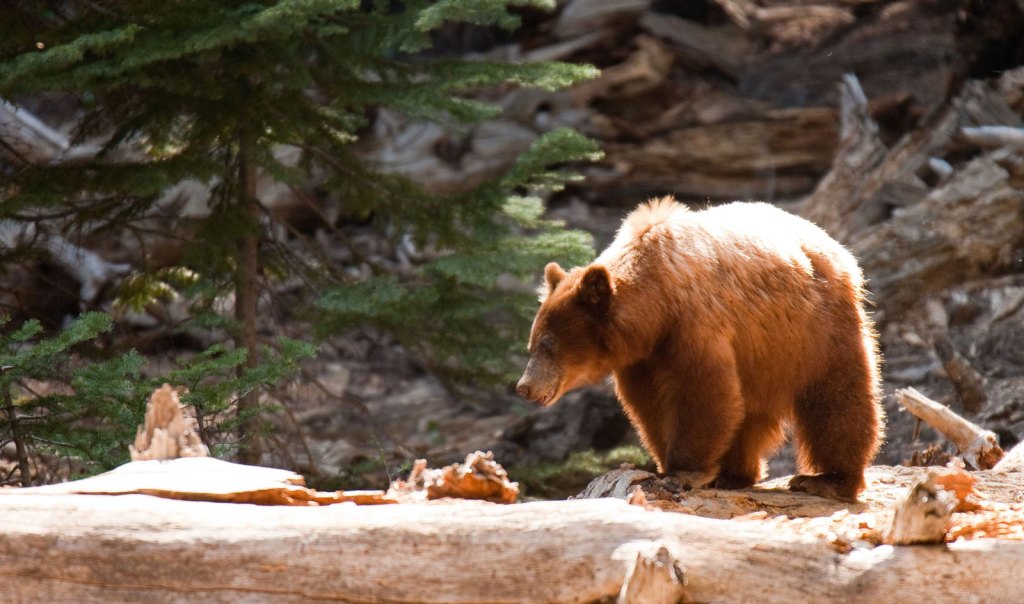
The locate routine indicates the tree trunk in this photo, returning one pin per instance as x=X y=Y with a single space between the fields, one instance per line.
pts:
x=20 y=449
x=247 y=299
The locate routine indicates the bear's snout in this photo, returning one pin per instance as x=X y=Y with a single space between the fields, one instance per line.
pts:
x=539 y=383
x=523 y=390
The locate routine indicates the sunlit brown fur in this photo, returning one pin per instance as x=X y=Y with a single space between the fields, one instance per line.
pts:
x=720 y=328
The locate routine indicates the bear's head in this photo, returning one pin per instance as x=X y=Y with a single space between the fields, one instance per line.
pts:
x=568 y=343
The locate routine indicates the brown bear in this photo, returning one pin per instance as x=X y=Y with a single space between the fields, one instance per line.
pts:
x=720 y=328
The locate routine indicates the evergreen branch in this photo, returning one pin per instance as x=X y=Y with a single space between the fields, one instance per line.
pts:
x=63 y=57
x=476 y=12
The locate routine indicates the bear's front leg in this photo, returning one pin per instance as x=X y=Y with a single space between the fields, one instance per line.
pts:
x=703 y=416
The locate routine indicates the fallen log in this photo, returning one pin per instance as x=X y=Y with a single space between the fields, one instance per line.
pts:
x=887 y=488
x=27 y=139
x=853 y=196
x=958 y=232
x=91 y=548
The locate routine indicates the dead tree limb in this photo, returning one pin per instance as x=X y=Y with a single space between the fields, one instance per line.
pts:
x=978 y=447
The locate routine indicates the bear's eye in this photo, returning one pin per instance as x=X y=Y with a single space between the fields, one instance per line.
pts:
x=546 y=345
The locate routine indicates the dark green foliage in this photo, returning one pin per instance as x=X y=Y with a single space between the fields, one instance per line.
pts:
x=191 y=89
x=450 y=310
x=207 y=91
x=107 y=396
x=215 y=384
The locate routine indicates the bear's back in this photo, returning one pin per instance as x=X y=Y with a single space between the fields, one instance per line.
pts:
x=737 y=246
x=765 y=279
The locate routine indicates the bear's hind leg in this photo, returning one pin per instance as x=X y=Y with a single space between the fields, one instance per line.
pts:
x=743 y=464
x=837 y=425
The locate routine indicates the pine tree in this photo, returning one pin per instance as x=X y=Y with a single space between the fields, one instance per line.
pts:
x=46 y=420
x=208 y=90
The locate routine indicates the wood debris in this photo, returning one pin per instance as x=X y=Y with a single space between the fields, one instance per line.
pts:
x=478 y=477
x=167 y=433
x=946 y=506
x=170 y=461
x=1002 y=522
x=923 y=516
x=655 y=578
x=901 y=505
x=933 y=455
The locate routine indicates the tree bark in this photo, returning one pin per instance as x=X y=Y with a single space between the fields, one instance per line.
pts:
x=20 y=447
x=247 y=299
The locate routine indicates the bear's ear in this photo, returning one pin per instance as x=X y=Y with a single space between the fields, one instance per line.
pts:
x=596 y=287
x=553 y=275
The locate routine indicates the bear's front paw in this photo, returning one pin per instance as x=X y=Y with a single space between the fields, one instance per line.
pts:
x=732 y=481
x=831 y=486
x=686 y=481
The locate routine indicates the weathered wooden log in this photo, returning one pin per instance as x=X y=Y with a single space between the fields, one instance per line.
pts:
x=583 y=16
x=699 y=46
x=967 y=381
x=645 y=69
x=835 y=199
x=26 y=139
x=91 y=548
x=1013 y=461
x=724 y=158
x=887 y=487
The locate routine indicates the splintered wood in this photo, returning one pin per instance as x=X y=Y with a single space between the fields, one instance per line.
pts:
x=923 y=516
x=901 y=505
x=943 y=507
x=169 y=460
x=167 y=433
x=478 y=477
x=655 y=578
x=1003 y=522
x=946 y=507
